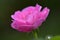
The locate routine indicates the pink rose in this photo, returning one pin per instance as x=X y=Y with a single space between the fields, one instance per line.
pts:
x=30 y=18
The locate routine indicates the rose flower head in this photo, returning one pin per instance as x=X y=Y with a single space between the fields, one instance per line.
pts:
x=30 y=18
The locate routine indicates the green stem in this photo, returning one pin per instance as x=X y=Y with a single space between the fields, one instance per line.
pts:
x=35 y=35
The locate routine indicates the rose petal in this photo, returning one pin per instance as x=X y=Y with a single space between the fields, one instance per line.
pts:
x=44 y=13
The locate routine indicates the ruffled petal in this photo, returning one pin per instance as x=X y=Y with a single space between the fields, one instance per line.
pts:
x=38 y=7
x=44 y=13
x=21 y=26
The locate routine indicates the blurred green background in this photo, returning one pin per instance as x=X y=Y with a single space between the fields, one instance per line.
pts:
x=51 y=27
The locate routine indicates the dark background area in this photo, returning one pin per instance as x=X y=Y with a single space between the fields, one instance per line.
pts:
x=50 y=27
